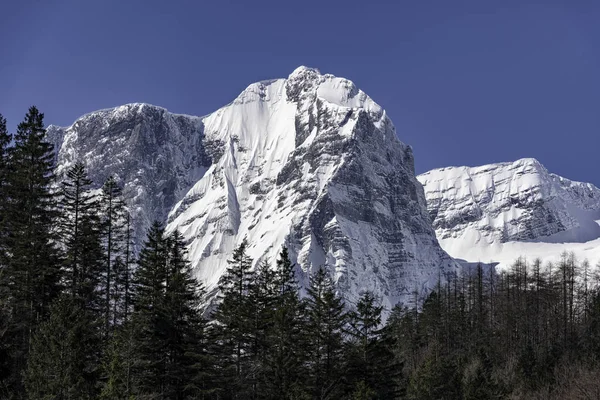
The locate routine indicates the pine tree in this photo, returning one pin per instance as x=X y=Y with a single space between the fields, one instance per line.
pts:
x=114 y=222
x=31 y=262
x=5 y=139
x=150 y=316
x=187 y=356
x=170 y=356
x=60 y=364
x=371 y=361
x=284 y=353
x=233 y=321
x=117 y=363
x=80 y=236
x=262 y=293
x=326 y=321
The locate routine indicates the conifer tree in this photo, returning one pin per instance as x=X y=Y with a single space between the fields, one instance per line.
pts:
x=187 y=356
x=61 y=365
x=326 y=321
x=149 y=318
x=31 y=262
x=168 y=328
x=5 y=139
x=233 y=326
x=113 y=214
x=284 y=355
x=81 y=238
x=371 y=360
x=117 y=364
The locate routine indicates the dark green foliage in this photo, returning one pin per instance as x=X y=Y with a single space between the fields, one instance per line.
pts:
x=80 y=235
x=61 y=365
x=325 y=324
x=436 y=378
x=167 y=327
x=5 y=139
x=30 y=265
x=117 y=364
x=283 y=358
x=371 y=363
x=234 y=324
x=114 y=218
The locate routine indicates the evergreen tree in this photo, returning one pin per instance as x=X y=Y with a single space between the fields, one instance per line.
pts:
x=80 y=236
x=5 y=139
x=437 y=378
x=113 y=237
x=325 y=324
x=30 y=260
x=60 y=364
x=170 y=356
x=371 y=363
x=188 y=365
x=233 y=321
x=284 y=355
x=149 y=317
x=117 y=364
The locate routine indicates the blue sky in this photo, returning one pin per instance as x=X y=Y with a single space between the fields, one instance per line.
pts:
x=466 y=83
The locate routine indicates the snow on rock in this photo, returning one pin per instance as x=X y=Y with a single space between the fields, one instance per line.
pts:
x=157 y=156
x=498 y=212
x=309 y=162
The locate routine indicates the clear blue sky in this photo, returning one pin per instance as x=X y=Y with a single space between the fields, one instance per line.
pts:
x=466 y=83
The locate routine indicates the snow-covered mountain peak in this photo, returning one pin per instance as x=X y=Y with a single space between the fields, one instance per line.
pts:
x=310 y=162
x=490 y=206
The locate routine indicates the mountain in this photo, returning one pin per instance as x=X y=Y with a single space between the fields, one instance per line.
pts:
x=310 y=162
x=155 y=155
x=503 y=210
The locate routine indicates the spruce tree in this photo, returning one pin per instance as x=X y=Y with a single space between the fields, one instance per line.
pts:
x=117 y=364
x=261 y=304
x=113 y=213
x=284 y=361
x=371 y=361
x=81 y=238
x=31 y=266
x=149 y=317
x=326 y=321
x=61 y=365
x=5 y=139
x=187 y=369
x=233 y=321
x=168 y=330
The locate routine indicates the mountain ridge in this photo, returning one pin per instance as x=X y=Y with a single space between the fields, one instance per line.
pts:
x=310 y=162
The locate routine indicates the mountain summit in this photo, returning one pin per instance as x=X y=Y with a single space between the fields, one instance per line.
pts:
x=498 y=212
x=310 y=162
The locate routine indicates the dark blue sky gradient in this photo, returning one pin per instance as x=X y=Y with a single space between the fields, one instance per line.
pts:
x=466 y=83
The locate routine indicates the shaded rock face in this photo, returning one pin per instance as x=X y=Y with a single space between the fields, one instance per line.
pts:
x=157 y=156
x=309 y=162
x=518 y=201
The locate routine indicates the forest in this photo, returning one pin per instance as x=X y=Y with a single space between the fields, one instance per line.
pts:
x=85 y=315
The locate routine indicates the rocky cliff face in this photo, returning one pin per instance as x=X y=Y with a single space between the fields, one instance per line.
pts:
x=156 y=155
x=516 y=201
x=309 y=162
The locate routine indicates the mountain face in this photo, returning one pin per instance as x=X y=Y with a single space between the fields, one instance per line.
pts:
x=155 y=155
x=519 y=201
x=309 y=162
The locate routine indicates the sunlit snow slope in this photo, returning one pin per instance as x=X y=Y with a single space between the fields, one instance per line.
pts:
x=498 y=212
x=309 y=162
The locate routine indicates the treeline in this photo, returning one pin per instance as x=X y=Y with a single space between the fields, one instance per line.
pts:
x=84 y=316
